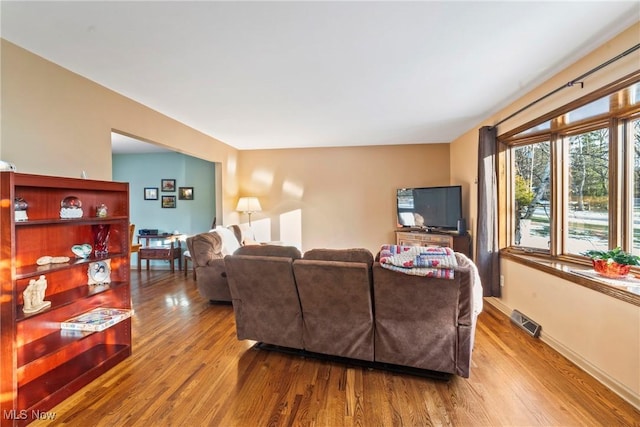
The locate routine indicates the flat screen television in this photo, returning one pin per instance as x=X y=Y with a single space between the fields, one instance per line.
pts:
x=430 y=207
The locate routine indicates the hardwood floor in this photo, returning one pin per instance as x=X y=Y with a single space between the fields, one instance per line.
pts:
x=189 y=369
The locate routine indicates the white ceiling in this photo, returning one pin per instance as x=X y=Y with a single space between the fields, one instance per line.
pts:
x=311 y=74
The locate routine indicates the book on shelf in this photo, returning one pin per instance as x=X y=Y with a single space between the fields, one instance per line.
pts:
x=97 y=319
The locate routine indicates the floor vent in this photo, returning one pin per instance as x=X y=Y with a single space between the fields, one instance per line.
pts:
x=531 y=327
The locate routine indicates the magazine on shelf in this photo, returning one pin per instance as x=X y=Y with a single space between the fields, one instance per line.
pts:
x=97 y=319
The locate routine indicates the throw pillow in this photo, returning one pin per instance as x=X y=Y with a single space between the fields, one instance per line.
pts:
x=229 y=241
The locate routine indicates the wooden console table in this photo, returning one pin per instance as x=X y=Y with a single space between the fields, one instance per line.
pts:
x=169 y=252
x=458 y=242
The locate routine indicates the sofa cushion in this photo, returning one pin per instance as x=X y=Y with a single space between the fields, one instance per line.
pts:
x=337 y=308
x=205 y=247
x=344 y=255
x=269 y=250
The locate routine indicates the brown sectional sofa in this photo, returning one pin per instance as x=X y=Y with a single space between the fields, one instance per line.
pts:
x=342 y=303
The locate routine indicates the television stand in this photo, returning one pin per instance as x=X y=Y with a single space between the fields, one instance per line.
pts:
x=421 y=237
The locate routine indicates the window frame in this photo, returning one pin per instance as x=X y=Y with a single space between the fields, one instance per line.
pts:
x=618 y=121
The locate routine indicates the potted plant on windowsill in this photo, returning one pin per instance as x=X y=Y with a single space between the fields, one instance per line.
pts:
x=615 y=263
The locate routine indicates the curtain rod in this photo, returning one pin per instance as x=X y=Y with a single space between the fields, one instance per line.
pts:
x=573 y=82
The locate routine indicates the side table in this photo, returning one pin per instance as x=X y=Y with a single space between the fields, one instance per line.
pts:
x=169 y=252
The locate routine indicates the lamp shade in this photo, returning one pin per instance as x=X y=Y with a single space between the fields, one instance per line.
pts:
x=248 y=204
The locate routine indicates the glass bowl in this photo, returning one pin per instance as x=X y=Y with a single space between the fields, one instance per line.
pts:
x=612 y=270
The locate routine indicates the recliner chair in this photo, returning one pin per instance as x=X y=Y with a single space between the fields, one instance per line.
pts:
x=205 y=250
x=337 y=302
x=264 y=295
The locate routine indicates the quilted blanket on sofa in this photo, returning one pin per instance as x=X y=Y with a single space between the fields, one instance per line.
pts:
x=428 y=261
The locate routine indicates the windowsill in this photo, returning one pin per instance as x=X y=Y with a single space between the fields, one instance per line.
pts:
x=564 y=269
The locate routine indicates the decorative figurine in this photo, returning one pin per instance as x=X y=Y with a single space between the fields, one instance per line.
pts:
x=6 y=166
x=101 y=211
x=82 y=251
x=20 y=209
x=34 y=294
x=44 y=260
x=71 y=207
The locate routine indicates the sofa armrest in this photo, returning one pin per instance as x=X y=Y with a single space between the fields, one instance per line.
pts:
x=465 y=296
x=211 y=281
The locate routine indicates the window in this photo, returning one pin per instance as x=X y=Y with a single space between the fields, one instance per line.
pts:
x=635 y=205
x=574 y=180
x=593 y=109
x=635 y=93
x=587 y=206
x=541 y=127
x=532 y=213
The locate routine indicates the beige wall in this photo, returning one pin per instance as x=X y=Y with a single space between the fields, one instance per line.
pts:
x=346 y=196
x=599 y=333
x=55 y=122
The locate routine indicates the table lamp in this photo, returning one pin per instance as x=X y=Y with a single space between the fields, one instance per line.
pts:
x=249 y=205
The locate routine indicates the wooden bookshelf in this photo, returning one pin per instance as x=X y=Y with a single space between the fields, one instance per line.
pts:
x=42 y=364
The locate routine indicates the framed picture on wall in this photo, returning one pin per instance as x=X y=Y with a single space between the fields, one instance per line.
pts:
x=151 y=193
x=168 y=201
x=168 y=185
x=185 y=193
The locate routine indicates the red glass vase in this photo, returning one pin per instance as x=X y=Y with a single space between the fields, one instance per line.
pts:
x=100 y=239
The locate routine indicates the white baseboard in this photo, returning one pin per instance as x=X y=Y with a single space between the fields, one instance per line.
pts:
x=609 y=382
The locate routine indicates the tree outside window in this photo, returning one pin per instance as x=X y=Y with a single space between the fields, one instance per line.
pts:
x=532 y=213
x=588 y=201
